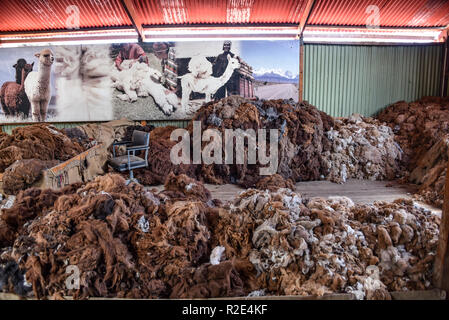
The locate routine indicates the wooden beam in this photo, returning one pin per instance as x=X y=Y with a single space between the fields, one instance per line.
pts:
x=441 y=266
x=445 y=70
x=305 y=17
x=301 y=70
x=444 y=36
x=134 y=17
x=302 y=25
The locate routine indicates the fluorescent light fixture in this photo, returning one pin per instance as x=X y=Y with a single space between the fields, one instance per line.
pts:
x=63 y=43
x=69 y=38
x=363 y=40
x=219 y=33
x=310 y=35
x=340 y=35
x=172 y=34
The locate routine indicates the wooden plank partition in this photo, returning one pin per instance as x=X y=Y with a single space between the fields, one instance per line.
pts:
x=441 y=267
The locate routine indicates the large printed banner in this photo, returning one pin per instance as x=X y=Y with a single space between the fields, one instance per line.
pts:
x=149 y=81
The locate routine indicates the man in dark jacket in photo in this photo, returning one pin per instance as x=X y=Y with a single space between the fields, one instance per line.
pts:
x=219 y=66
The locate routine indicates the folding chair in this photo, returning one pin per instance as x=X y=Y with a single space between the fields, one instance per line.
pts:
x=129 y=161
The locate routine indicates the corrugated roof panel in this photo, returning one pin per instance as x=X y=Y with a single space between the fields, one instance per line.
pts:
x=31 y=15
x=159 y=12
x=392 y=13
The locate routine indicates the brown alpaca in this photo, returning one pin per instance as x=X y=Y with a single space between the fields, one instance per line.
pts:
x=12 y=94
x=19 y=67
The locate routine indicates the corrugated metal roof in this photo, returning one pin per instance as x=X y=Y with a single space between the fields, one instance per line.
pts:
x=31 y=15
x=392 y=13
x=159 y=12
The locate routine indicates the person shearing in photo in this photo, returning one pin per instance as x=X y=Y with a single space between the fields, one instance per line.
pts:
x=130 y=51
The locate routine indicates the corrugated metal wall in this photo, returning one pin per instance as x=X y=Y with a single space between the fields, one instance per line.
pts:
x=343 y=79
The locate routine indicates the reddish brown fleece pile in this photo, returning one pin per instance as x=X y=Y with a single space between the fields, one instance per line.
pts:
x=159 y=163
x=23 y=173
x=126 y=241
x=421 y=129
x=301 y=129
x=130 y=242
x=418 y=125
x=43 y=142
x=29 y=204
x=302 y=141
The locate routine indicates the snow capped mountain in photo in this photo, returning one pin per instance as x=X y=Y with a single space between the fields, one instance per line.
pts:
x=275 y=75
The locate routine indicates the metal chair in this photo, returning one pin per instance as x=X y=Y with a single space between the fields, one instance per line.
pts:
x=129 y=161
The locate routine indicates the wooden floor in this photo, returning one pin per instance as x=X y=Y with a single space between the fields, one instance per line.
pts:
x=360 y=191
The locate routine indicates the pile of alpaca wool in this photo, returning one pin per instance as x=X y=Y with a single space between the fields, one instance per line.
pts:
x=430 y=173
x=159 y=162
x=362 y=148
x=302 y=140
x=40 y=141
x=128 y=241
x=22 y=174
x=99 y=133
x=421 y=128
x=130 y=129
x=29 y=150
x=317 y=246
x=417 y=125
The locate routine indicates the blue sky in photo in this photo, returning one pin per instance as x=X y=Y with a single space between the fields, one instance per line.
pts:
x=276 y=54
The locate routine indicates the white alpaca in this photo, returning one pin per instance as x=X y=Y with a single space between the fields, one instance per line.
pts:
x=37 y=85
x=96 y=74
x=69 y=85
x=200 y=67
x=139 y=80
x=207 y=85
x=83 y=83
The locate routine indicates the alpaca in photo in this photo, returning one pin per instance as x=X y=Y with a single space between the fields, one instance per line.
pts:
x=13 y=98
x=96 y=75
x=207 y=85
x=19 y=67
x=139 y=80
x=69 y=83
x=37 y=85
x=200 y=67
x=126 y=80
x=83 y=84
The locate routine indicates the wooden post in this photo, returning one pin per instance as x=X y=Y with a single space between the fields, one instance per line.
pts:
x=302 y=25
x=444 y=35
x=305 y=16
x=441 y=266
x=301 y=70
x=134 y=17
x=445 y=68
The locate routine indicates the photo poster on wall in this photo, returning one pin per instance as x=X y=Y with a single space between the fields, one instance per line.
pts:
x=145 y=81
